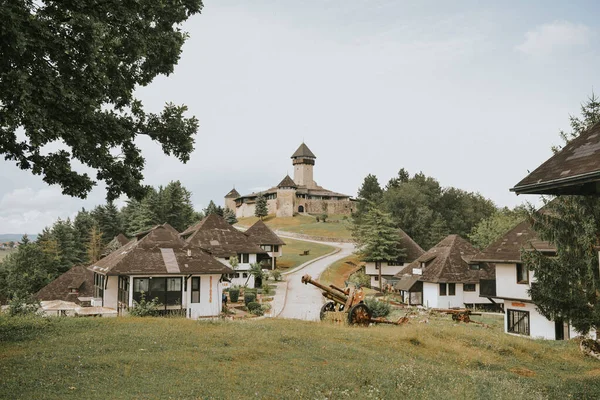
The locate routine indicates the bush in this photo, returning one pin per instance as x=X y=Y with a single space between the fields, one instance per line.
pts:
x=249 y=298
x=378 y=308
x=145 y=308
x=234 y=295
x=253 y=306
x=23 y=305
x=360 y=278
x=324 y=217
x=267 y=290
x=276 y=275
x=258 y=311
x=266 y=307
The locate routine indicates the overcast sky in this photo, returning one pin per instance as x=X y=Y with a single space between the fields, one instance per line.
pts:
x=473 y=95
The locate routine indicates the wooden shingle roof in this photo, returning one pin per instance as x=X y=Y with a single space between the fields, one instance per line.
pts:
x=215 y=235
x=159 y=251
x=287 y=182
x=233 y=194
x=303 y=151
x=575 y=169
x=260 y=233
x=78 y=277
x=448 y=261
x=508 y=247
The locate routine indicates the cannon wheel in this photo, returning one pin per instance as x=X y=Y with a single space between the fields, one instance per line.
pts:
x=359 y=315
x=327 y=307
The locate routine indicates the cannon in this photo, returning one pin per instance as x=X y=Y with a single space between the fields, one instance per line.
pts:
x=348 y=300
x=459 y=314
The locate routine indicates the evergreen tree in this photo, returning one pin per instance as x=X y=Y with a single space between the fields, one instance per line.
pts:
x=229 y=216
x=82 y=225
x=261 y=209
x=378 y=238
x=369 y=192
x=213 y=209
x=63 y=234
x=109 y=222
x=176 y=206
x=94 y=244
x=590 y=115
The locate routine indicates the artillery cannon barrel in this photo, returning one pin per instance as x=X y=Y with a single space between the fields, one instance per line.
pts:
x=308 y=279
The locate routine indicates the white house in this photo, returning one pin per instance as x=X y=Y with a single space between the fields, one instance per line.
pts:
x=260 y=234
x=159 y=264
x=513 y=281
x=444 y=276
x=412 y=251
x=214 y=235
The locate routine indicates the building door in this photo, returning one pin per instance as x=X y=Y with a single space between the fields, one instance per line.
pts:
x=300 y=209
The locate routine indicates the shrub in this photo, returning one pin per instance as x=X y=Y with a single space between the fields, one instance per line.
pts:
x=23 y=305
x=266 y=307
x=276 y=275
x=324 y=217
x=249 y=298
x=266 y=290
x=145 y=308
x=234 y=295
x=378 y=308
x=253 y=306
x=258 y=311
x=360 y=278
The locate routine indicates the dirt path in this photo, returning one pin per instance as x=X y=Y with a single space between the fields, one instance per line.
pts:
x=305 y=301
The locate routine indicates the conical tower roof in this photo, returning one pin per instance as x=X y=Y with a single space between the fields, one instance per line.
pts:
x=303 y=151
x=287 y=182
x=233 y=194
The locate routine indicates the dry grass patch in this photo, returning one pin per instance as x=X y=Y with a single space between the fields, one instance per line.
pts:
x=294 y=248
x=336 y=228
x=339 y=272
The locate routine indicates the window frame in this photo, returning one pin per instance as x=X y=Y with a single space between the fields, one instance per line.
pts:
x=451 y=289
x=443 y=292
x=469 y=285
x=193 y=291
x=524 y=321
x=524 y=270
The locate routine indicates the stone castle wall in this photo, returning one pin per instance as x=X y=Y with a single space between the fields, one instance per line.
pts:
x=286 y=202
x=344 y=207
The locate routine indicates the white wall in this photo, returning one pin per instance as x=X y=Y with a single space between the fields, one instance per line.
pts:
x=473 y=297
x=385 y=269
x=430 y=295
x=210 y=297
x=539 y=326
x=506 y=282
x=111 y=292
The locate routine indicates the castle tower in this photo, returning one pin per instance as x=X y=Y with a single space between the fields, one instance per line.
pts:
x=230 y=199
x=286 y=197
x=304 y=160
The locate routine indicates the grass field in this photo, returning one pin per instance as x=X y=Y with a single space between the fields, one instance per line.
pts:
x=291 y=253
x=337 y=227
x=339 y=272
x=132 y=358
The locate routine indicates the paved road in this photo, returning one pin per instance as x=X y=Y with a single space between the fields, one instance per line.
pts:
x=305 y=301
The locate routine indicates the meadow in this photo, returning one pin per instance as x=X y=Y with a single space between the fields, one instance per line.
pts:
x=293 y=253
x=336 y=228
x=154 y=358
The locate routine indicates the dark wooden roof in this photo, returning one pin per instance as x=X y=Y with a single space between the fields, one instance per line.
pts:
x=508 y=248
x=260 y=233
x=78 y=277
x=233 y=194
x=287 y=182
x=573 y=170
x=303 y=151
x=448 y=261
x=159 y=251
x=215 y=235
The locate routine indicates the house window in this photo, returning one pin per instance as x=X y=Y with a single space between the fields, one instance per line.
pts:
x=166 y=290
x=244 y=258
x=452 y=289
x=244 y=275
x=443 y=289
x=469 y=287
x=474 y=267
x=522 y=274
x=376 y=265
x=276 y=248
x=141 y=285
x=376 y=278
x=196 y=289
x=518 y=322
x=267 y=247
x=98 y=285
x=395 y=263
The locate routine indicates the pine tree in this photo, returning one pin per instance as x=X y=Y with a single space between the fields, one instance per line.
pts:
x=82 y=225
x=261 y=210
x=213 y=209
x=229 y=216
x=176 y=206
x=94 y=244
x=378 y=238
x=109 y=221
x=63 y=234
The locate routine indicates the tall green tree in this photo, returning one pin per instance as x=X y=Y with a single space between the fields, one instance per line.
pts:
x=261 y=210
x=493 y=227
x=369 y=192
x=82 y=225
x=229 y=216
x=109 y=221
x=64 y=235
x=377 y=238
x=567 y=286
x=212 y=208
x=176 y=206
x=69 y=71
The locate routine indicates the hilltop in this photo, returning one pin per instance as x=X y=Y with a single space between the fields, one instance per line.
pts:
x=336 y=227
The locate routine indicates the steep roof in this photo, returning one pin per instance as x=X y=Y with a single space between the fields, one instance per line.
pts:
x=78 y=277
x=575 y=169
x=303 y=151
x=508 y=247
x=233 y=194
x=448 y=261
x=159 y=251
x=215 y=235
x=260 y=233
x=287 y=182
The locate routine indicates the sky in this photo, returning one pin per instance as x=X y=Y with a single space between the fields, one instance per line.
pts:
x=471 y=93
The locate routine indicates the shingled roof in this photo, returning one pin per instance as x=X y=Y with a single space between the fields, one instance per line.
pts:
x=303 y=151
x=260 y=233
x=159 y=251
x=78 y=277
x=215 y=235
x=448 y=261
x=573 y=170
x=287 y=182
x=233 y=194
x=508 y=247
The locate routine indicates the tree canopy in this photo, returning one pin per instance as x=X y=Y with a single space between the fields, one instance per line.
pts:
x=68 y=72
x=261 y=210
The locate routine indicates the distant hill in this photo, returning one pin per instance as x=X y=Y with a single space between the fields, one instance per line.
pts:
x=16 y=237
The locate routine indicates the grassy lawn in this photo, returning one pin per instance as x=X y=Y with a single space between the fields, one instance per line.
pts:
x=339 y=272
x=337 y=227
x=133 y=358
x=5 y=253
x=293 y=248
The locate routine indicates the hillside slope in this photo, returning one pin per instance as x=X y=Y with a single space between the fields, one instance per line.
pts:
x=336 y=226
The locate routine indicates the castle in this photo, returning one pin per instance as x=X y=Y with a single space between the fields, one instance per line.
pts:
x=299 y=195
